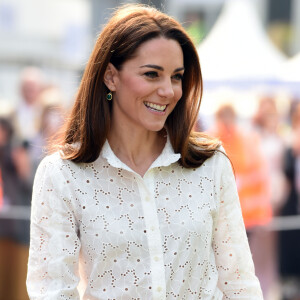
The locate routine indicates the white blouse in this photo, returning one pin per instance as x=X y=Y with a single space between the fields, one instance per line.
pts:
x=102 y=231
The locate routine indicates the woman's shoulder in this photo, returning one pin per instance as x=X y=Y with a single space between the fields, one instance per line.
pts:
x=219 y=162
x=55 y=161
x=220 y=156
x=52 y=159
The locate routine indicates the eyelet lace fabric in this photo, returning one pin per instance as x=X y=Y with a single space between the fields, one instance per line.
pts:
x=101 y=231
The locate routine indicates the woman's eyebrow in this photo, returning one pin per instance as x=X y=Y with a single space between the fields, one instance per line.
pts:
x=179 y=69
x=153 y=67
x=160 y=68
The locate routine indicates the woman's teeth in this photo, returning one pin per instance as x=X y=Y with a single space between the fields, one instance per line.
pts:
x=155 y=106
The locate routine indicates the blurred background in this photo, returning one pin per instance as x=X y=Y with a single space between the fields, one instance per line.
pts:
x=250 y=57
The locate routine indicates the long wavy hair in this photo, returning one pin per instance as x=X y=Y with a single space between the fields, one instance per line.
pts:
x=90 y=118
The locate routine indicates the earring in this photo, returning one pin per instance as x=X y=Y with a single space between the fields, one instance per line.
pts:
x=109 y=96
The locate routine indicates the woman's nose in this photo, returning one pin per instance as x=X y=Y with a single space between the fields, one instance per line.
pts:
x=166 y=89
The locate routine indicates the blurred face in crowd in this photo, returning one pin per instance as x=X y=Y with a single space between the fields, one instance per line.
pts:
x=226 y=115
x=267 y=112
x=149 y=85
x=31 y=85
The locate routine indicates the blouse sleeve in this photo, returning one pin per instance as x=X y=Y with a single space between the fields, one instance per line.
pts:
x=237 y=278
x=54 y=242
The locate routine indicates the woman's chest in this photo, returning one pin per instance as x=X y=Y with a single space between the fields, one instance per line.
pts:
x=123 y=213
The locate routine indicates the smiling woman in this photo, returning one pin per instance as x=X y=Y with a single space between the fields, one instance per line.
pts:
x=119 y=42
x=143 y=206
x=146 y=90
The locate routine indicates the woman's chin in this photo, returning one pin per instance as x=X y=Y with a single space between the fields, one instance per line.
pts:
x=156 y=127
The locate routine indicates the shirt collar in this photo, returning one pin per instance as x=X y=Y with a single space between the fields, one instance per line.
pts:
x=167 y=157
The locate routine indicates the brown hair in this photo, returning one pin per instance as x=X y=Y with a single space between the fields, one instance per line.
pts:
x=89 y=123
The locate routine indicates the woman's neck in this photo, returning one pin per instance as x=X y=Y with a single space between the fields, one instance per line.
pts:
x=138 y=149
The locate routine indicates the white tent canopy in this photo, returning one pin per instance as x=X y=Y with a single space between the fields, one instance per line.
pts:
x=237 y=48
x=290 y=70
x=289 y=75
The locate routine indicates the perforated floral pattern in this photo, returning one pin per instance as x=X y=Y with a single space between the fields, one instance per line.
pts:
x=176 y=233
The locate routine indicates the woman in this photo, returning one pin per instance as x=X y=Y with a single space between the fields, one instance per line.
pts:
x=136 y=206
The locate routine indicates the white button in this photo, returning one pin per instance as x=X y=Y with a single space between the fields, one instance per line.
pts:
x=156 y=258
x=159 y=289
x=152 y=228
x=147 y=198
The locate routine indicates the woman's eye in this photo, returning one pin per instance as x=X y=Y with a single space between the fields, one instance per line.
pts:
x=177 y=77
x=151 y=74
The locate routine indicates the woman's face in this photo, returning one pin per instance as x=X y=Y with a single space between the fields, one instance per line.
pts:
x=148 y=86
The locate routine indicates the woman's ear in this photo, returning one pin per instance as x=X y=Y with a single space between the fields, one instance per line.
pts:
x=110 y=77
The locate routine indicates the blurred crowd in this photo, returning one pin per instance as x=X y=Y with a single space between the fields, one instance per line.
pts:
x=24 y=134
x=264 y=151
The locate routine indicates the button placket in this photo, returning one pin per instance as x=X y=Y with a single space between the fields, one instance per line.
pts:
x=146 y=185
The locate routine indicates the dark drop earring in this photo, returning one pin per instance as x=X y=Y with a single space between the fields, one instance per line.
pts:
x=109 y=96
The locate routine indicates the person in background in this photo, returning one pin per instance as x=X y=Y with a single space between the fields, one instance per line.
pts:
x=25 y=121
x=267 y=123
x=243 y=147
x=50 y=123
x=134 y=205
x=28 y=112
x=289 y=246
x=14 y=165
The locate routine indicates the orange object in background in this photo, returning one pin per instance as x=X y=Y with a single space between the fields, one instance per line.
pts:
x=243 y=149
